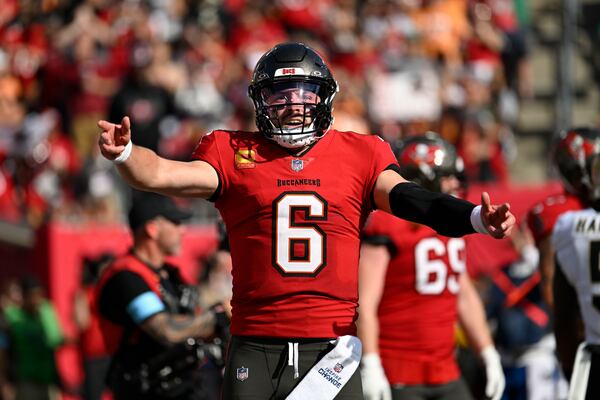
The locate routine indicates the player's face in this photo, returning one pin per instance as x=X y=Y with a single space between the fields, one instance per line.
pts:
x=169 y=236
x=450 y=185
x=293 y=106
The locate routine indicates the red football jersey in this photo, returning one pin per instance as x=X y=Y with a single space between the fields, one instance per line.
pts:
x=417 y=312
x=542 y=216
x=293 y=226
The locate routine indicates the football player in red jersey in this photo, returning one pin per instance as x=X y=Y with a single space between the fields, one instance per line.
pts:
x=294 y=197
x=573 y=146
x=413 y=288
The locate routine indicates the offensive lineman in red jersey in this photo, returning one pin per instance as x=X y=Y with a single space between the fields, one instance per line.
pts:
x=413 y=288
x=542 y=216
x=294 y=197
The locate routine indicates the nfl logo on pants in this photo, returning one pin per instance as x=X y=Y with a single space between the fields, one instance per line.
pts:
x=242 y=373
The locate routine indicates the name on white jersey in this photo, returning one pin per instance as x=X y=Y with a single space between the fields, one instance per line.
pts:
x=587 y=225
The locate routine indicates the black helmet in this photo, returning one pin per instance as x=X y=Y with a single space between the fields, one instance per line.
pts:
x=293 y=67
x=573 y=155
x=425 y=159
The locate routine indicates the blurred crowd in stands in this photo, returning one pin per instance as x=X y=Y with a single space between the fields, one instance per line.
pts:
x=30 y=334
x=180 y=68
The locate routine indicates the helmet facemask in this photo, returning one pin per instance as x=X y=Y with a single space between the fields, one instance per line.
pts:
x=293 y=113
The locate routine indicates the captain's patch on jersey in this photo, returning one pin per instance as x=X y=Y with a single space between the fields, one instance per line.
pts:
x=245 y=158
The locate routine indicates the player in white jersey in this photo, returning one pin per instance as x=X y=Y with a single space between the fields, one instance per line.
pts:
x=576 y=286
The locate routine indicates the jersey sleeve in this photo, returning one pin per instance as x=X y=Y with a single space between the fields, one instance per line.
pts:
x=374 y=226
x=542 y=217
x=208 y=150
x=535 y=223
x=377 y=232
x=382 y=158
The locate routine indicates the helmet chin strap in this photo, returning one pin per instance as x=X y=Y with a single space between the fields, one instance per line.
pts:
x=294 y=141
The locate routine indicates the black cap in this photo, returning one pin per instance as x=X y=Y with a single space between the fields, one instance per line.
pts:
x=147 y=206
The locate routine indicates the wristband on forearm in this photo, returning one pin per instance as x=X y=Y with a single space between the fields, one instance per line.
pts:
x=124 y=154
x=477 y=222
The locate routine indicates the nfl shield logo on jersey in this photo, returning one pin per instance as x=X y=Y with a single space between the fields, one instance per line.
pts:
x=242 y=373
x=297 y=165
x=338 y=368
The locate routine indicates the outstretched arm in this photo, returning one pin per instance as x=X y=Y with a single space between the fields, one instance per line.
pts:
x=446 y=214
x=145 y=170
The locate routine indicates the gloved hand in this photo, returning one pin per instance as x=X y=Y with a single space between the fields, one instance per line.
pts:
x=375 y=384
x=495 y=384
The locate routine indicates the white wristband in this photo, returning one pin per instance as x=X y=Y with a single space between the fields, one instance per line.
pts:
x=125 y=154
x=477 y=222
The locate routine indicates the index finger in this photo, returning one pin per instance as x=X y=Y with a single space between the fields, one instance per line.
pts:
x=126 y=124
x=123 y=134
x=485 y=200
x=105 y=125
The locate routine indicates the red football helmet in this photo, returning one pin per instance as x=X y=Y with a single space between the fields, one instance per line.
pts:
x=574 y=155
x=426 y=159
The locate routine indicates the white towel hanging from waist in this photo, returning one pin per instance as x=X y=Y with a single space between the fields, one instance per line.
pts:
x=327 y=377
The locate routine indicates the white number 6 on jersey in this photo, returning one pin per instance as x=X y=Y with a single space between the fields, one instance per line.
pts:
x=289 y=235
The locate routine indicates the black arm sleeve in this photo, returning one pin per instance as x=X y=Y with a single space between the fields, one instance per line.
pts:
x=448 y=215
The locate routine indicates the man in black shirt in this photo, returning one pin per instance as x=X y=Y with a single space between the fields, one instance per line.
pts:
x=148 y=314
